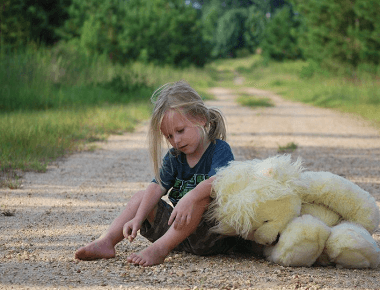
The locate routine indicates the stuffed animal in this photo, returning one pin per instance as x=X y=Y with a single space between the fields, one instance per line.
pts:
x=302 y=217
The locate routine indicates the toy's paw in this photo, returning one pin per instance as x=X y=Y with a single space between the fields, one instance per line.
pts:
x=300 y=243
x=265 y=235
x=351 y=246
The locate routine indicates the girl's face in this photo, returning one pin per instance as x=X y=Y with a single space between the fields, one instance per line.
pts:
x=184 y=133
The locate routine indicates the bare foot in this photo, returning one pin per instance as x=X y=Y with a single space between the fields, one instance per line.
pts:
x=98 y=249
x=152 y=255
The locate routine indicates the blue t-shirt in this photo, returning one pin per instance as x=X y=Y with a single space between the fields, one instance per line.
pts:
x=177 y=175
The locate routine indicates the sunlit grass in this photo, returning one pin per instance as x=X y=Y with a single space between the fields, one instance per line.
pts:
x=253 y=102
x=32 y=139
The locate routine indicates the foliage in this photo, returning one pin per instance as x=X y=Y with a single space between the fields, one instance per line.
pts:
x=230 y=33
x=151 y=31
x=233 y=26
x=22 y=21
x=255 y=27
x=343 y=30
x=280 y=41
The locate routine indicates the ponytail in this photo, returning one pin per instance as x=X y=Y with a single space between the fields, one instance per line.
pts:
x=217 y=125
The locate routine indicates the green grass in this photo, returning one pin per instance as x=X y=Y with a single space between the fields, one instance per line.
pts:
x=253 y=102
x=356 y=92
x=32 y=139
x=288 y=148
x=59 y=100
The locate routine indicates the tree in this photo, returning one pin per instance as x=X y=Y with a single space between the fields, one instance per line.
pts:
x=230 y=33
x=160 y=31
x=344 y=30
x=254 y=27
x=233 y=25
x=30 y=20
x=280 y=41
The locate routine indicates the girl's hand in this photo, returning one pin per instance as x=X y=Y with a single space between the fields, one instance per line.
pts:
x=182 y=213
x=130 y=229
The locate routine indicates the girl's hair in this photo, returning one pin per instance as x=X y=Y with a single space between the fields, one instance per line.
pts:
x=180 y=96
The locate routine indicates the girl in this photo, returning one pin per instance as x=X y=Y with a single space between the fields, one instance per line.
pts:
x=196 y=134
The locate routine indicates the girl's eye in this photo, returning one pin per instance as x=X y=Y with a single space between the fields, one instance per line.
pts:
x=180 y=131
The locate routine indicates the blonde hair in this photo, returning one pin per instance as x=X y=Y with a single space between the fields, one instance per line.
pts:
x=180 y=96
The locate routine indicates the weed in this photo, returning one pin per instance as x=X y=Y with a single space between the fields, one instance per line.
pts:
x=288 y=148
x=250 y=101
x=10 y=178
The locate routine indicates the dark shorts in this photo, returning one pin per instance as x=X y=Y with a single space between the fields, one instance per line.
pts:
x=202 y=241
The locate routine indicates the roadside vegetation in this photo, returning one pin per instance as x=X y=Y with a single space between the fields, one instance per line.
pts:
x=344 y=89
x=75 y=71
x=57 y=101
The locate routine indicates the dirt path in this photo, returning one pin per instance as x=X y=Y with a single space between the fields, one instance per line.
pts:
x=65 y=208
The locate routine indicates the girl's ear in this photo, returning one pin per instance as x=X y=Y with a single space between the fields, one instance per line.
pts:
x=202 y=121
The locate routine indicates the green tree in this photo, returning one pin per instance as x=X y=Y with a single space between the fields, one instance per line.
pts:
x=230 y=33
x=344 y=30
x=22 y=21
x=280 y=41
x=233 y=25
x=255 y=27
x=165 y=32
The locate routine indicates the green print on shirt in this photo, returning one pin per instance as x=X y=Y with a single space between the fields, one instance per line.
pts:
x=181 y=187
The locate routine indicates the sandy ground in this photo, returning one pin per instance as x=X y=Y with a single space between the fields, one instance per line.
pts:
x=73 y=203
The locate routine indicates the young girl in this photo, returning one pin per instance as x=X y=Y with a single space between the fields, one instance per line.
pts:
x=196 y=134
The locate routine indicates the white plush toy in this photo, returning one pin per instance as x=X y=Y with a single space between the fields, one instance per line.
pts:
x=302 y=217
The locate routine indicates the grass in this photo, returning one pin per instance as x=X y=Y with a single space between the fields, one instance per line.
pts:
x=254 y=102
x=35 y=138
x=288 y=148
x=356 y=92
x=59 y=100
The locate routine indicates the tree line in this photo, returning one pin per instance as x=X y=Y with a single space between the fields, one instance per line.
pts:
x=184 y=32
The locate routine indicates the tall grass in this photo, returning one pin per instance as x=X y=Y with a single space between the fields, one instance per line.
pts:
x=57 y=78
x=54 y=101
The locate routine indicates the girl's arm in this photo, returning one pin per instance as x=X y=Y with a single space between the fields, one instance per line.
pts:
x=182 y=213
x=151 y=197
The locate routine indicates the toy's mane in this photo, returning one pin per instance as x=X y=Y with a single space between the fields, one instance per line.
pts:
x=242 y=186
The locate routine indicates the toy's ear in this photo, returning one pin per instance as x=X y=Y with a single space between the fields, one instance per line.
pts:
x=342 y=196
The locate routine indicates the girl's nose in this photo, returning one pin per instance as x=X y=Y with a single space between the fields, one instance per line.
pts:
x=177 y=139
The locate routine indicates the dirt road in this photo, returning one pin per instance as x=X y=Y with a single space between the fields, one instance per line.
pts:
x=54 y=213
